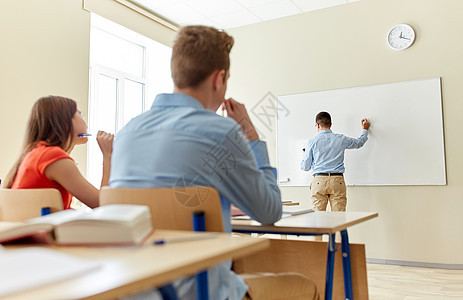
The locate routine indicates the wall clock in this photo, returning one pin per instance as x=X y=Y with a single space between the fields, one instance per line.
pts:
x=401 y=36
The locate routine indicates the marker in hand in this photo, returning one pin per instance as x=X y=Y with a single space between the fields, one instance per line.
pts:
x=365 y=124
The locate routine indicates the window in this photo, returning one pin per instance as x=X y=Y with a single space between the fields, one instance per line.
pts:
x=127 y=70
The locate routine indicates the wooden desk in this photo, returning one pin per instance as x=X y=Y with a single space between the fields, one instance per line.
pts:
x=129 y=270
x=318 y=222
x=315 y=223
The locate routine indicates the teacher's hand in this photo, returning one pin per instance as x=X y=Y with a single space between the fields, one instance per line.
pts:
x=365 y=124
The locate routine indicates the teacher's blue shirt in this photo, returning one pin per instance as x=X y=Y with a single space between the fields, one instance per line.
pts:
x=178 y=142
x=325 y=152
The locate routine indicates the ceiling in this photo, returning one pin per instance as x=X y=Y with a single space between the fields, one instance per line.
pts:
x=225 y=14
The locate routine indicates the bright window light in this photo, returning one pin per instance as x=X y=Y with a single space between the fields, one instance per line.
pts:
x=127 y=70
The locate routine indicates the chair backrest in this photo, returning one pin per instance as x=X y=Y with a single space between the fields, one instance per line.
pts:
x=23 y=204
x=171 y=208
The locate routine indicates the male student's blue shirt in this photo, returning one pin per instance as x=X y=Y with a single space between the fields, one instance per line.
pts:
x=180 y=143
x=325 y=152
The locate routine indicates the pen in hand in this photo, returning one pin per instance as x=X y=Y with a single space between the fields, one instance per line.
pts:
x=84 y=134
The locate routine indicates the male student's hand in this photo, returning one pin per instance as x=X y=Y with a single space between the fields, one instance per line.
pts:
x=365 y=124
x=237 y=112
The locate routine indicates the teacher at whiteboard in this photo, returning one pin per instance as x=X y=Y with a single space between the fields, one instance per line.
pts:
x=324 y=156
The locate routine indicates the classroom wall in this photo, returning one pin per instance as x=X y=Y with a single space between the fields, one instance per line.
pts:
x=44 y=51
x=345 y=46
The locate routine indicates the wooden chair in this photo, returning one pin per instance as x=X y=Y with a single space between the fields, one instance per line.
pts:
x=171 y=208
x=23 y=204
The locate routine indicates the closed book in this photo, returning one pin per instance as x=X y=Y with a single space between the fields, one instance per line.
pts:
x=296 y=210
x=116 y=224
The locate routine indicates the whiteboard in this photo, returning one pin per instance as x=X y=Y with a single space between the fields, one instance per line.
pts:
x=405 y=143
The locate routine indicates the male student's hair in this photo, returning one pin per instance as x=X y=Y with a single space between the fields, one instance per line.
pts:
x=198 y=51
x=50 y=121
x=323 y=119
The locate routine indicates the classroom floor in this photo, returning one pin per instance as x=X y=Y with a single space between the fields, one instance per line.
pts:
x=412 y=283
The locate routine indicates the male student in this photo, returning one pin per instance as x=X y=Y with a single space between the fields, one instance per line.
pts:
x=181 y=141
x=324 y=155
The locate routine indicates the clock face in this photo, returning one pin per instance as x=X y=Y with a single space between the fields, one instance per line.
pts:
x=401 y=37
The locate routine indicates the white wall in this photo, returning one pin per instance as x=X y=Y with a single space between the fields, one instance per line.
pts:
x=345 y=46
x=44 y=51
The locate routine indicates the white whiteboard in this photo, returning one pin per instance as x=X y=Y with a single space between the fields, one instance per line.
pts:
x=405 y=143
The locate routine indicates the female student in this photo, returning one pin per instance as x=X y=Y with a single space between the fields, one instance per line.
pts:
x=54 y=128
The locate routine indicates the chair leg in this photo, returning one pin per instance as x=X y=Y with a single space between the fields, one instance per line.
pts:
x=199 y=224
x=330 y=268
x=346 y=266
x=202 y=286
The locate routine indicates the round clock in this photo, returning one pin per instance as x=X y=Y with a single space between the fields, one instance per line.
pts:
x=401 y=36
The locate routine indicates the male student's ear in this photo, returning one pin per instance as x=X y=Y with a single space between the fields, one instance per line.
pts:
x=218 y=79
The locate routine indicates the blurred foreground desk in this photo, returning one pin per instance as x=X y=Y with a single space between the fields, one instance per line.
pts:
x=128 y=270
x=315 y=223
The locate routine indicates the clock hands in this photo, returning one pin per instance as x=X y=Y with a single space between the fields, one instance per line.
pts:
x=402 y=37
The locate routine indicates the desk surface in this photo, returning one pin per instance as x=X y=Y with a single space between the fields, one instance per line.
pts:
x=314 y=222
x=128 y=270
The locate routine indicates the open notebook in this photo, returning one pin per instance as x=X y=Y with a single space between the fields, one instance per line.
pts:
x=32 y=267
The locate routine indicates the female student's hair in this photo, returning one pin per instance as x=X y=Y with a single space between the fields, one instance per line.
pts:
x=50 y=121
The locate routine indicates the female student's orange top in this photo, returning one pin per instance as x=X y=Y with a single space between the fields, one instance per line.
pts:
x=31 y=172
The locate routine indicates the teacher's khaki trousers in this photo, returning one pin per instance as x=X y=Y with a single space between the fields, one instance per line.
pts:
x=328 y=188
